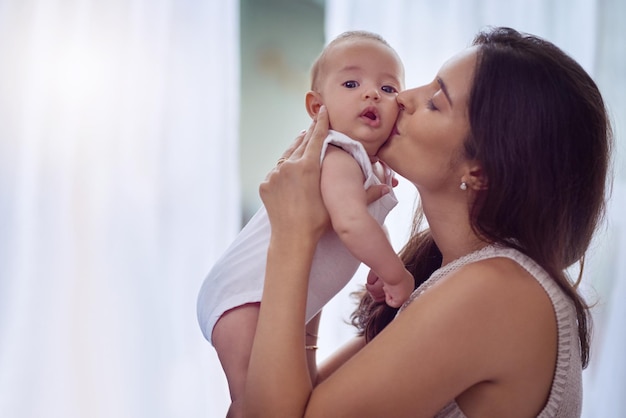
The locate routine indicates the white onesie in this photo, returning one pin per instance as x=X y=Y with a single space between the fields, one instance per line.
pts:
x=237 y=277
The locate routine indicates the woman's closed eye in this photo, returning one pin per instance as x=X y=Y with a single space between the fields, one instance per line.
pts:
x=430 y=104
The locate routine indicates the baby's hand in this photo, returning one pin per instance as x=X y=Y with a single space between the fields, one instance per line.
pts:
x=397 y=294
x=393 y=295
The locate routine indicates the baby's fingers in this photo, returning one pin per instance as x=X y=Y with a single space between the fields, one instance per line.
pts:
x=375 y=192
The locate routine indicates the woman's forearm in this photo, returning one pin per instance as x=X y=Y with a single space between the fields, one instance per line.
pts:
x=278 y=381
x=338 y=358
x=310 y=340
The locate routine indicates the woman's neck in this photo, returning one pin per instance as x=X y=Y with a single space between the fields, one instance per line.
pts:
x=451 y=230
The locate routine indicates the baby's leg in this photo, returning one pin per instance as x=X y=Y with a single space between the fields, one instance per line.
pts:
x=232 y=337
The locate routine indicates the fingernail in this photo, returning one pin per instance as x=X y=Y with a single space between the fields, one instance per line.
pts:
x=384 y=190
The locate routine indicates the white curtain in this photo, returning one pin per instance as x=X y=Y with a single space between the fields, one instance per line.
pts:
x=425 y=34
x=118 y=190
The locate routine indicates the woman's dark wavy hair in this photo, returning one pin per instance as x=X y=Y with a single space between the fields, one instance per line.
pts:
x=539 y=126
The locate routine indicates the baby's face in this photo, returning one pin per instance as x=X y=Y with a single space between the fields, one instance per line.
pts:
x=360 y=80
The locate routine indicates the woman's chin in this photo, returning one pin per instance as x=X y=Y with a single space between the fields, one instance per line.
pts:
x=384 y=151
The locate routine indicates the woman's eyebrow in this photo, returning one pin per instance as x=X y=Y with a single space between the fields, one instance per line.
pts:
x=444 y=88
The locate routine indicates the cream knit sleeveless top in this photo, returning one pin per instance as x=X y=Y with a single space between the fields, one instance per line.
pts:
x=565 y=398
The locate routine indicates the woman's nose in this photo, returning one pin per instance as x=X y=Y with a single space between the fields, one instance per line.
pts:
x=406 y=100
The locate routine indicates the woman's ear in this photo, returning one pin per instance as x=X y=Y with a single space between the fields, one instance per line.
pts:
x=476 y=177
x=313 y=102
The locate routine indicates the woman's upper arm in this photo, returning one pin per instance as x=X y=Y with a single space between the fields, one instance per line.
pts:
x=375 y=382
x=432 y=352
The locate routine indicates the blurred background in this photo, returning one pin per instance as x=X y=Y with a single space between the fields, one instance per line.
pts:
x=133 y=137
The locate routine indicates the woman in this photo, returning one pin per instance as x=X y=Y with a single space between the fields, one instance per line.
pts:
x=509 y=150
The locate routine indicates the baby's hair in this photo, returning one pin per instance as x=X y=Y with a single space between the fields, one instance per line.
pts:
x=316 y=69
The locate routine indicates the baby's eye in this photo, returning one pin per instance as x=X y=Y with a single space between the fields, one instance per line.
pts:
x=351 y=84
x=389 y=89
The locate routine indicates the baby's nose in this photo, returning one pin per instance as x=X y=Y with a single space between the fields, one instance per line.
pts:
x=372 y=94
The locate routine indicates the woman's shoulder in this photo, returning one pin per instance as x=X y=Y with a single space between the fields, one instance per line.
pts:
x=498 y=274
x=499 y=323
x=503 y=273
x=497 y=304
x=500 y=285
x=500 y=282
x=491 y=295
x=494 y=268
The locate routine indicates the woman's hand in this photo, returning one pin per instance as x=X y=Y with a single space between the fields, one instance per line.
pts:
x=374 y=286
x=291 y=192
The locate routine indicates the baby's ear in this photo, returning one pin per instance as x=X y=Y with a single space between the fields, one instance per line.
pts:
x=313 y=102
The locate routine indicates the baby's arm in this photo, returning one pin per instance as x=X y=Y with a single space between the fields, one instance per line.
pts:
x=344 y=197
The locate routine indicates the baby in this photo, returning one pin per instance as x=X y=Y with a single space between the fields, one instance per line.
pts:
x=357 y=77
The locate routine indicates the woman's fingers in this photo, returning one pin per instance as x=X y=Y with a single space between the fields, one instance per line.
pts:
x=375 y=287
x=318 y=135
x=291 y=191
x=375 y=192
x=294 y=145
x=309 y=142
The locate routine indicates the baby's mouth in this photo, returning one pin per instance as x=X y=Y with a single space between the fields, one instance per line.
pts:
x=370 y=115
